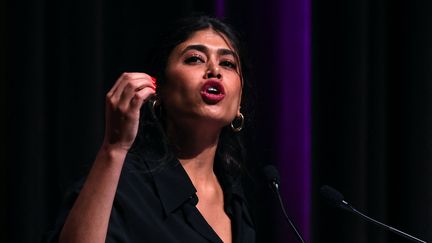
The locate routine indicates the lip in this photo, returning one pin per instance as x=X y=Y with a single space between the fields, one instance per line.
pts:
x=210 y=98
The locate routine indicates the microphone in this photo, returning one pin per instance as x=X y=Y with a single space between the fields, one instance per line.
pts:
x=272 y=176
x=336 y=199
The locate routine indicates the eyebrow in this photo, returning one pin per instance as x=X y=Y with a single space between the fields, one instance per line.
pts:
x=203 y=48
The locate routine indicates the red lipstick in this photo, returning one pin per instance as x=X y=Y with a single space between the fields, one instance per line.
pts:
x=212 y=92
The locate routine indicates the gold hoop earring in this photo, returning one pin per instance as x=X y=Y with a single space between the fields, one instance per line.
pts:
x=154 y=103
x=239 y=119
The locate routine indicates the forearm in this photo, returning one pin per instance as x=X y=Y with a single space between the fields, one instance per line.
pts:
x=89 y=217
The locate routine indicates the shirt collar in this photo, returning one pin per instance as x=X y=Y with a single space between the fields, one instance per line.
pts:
x=173 y=186
x=232 y=187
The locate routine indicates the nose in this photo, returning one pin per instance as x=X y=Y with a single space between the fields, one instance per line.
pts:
x=213 y=71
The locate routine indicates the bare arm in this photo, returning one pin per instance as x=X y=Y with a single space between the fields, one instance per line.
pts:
x=88 y=219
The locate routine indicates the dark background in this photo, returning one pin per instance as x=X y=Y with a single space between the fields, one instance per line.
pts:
x=371 y=103
x=372 y=116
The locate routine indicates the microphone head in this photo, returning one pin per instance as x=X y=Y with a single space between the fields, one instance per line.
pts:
x=334 y=198
x=271 y=174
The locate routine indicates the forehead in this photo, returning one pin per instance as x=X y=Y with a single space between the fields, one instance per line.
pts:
x=207 y=37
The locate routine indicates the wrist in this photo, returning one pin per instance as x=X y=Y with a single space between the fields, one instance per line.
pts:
x=113 y=152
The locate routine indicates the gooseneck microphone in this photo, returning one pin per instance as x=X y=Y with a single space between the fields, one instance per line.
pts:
x=272 y=176
x=336 y=199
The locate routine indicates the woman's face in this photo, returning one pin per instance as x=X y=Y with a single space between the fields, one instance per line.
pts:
x=203 y=81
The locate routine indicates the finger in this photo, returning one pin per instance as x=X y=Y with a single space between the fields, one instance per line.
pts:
x=123 y=95
x=121 y=82
x=129 y=91
x=116 y=84
x=140 y=97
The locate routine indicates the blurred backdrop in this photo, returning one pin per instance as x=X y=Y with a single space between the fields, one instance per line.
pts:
x=344 y=98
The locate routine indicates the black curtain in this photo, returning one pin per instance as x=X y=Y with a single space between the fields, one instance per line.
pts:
x=372 y=105
x=58 y=60
x=372 y=116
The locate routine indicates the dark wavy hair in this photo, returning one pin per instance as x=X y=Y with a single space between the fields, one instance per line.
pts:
x=152 y=143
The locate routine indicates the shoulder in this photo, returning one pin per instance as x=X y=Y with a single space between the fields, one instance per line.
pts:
x=136 y=176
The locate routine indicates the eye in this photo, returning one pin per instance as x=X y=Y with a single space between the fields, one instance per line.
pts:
x=194 y=59
x=229 y=64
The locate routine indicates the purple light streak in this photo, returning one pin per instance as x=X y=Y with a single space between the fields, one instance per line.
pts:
x=294 y=152
x=220 y=8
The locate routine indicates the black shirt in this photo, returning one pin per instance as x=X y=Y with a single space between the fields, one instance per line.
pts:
x=161 y=207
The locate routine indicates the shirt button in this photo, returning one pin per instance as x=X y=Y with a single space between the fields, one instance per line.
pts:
x=193 y=199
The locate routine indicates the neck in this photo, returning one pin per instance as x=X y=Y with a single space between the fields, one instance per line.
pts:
x=195 y=148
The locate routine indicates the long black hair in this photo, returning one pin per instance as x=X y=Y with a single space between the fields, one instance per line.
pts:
x=152 y=143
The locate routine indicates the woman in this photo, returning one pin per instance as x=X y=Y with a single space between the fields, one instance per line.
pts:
x=169 y=166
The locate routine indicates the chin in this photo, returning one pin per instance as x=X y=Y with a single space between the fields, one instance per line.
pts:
x=220 y=115
x=221 y=121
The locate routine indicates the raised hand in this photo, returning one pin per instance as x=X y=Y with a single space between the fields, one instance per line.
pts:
x=123 y=103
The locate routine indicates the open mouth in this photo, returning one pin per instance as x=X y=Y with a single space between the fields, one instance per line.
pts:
x=212 y=92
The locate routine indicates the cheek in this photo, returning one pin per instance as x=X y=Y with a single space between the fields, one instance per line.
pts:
x=176 y=81
x=237 y=91
x=181 y=88
x=236 y=98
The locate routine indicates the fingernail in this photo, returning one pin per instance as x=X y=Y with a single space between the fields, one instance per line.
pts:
x=154 y=79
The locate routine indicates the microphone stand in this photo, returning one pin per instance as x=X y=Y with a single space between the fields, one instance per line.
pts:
x=394 y=230
x=275 y=188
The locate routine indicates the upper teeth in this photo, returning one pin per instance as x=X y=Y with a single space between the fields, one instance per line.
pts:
x=212 y=89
